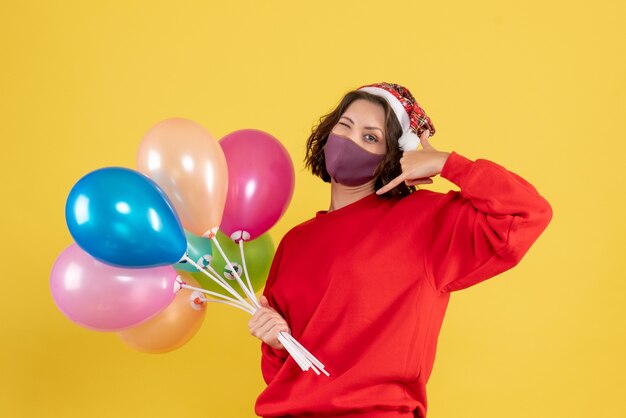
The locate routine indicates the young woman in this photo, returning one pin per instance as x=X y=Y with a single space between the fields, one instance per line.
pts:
x=365 y=285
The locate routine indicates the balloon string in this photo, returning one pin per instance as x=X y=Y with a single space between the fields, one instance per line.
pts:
x=202 y=299
x=307 y=353
x=245 y=268
x=212 y=270
x=236 y=305
x=226 y=286
x=215 y=277
x=208 y=292
x=250 y=295
x=295 y=353
x=300 y=354
x=218 y=276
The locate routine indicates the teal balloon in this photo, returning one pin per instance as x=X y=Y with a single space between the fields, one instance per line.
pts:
x=121 y=217
x=199 y=250
x=259 y=254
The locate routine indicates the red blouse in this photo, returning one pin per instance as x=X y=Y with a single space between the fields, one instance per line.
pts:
x=365 y=288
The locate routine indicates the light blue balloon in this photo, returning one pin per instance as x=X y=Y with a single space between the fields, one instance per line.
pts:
x=199 y=249
x=122 y=218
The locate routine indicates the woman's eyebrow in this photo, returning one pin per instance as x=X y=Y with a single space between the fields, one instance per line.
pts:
x=366 y=127
x=345 y=117
x=374 y=127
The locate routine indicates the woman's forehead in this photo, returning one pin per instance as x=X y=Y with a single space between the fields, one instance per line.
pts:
x=364 y=111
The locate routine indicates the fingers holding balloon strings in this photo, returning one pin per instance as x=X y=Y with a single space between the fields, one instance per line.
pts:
x=262 y=316
x=268 y=328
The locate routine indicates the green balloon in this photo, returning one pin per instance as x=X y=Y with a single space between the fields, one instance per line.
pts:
x=259 y=254
x=199 y=250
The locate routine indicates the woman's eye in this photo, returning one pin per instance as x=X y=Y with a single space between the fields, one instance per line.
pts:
x=344 y=124
x=370 y=138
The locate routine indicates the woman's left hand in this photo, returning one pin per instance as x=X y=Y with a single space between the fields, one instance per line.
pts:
x=418 y=166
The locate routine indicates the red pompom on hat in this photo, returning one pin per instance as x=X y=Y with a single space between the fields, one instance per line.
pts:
x=411 y=116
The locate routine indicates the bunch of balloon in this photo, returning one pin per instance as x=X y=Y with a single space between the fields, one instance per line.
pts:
x=122 y=275
x=241 y=185
x=118 y=273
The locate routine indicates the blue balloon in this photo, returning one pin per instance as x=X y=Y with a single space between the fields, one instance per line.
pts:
x=122 y=218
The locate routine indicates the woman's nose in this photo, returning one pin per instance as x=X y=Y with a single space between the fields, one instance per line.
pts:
x=351 y=136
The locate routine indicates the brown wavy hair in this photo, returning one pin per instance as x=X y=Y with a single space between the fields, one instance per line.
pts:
x=388 y=169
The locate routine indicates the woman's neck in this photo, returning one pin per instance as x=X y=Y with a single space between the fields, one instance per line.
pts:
x=342 y=195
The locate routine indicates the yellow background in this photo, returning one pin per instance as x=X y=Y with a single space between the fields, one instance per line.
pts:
x=537 y=86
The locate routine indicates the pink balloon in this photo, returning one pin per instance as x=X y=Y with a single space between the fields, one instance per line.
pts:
x=106 y=298
x=260 y=182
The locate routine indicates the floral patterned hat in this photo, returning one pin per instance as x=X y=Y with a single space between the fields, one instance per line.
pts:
x=411 y=116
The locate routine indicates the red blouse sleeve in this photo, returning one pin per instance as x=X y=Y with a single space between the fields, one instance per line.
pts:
x=486 y=227
x=272 y=359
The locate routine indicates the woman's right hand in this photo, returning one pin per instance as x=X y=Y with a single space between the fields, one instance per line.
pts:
x=266 y=324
